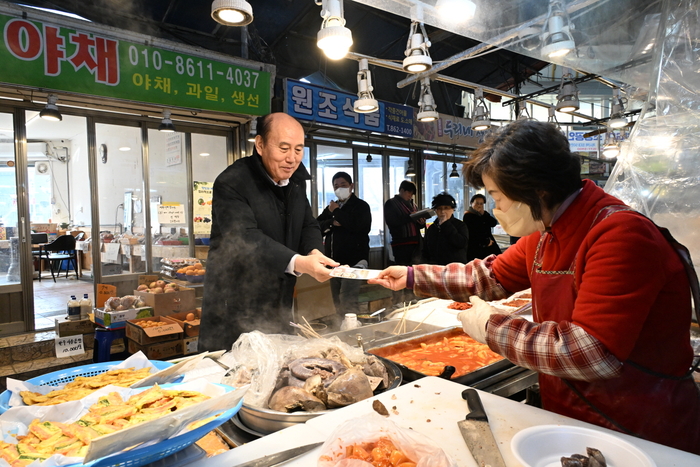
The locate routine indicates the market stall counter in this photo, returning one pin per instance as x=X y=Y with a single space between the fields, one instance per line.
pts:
x=432 y=406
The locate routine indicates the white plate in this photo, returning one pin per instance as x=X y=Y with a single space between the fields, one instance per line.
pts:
x=545 y=445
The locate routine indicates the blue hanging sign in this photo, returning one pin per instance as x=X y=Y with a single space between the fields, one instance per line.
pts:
x=306 y=101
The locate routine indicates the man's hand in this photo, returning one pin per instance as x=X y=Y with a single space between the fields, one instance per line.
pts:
x=314 y=264
x=421 y=221
x=393 y=277
x=333 y=206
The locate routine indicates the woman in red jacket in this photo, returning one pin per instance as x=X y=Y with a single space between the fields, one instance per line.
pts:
x=611 y=299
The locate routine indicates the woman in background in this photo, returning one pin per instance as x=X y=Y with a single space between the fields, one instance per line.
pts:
x=479 y=222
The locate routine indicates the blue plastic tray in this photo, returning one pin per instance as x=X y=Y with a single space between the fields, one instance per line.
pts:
x=141 y=456
x=67 y=375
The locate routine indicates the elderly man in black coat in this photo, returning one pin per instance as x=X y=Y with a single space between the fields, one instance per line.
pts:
x=263 y=236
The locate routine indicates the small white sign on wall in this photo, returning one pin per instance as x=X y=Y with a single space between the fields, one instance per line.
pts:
x=69 y=346
x=173 y=149
x=171 y=213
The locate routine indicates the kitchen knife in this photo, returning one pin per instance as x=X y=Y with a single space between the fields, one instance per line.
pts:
x=477 y=433
x=275 y=459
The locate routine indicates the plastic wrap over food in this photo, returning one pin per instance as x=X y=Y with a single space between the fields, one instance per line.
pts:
x=256 y=358
x=607 y=37
x=658 y=168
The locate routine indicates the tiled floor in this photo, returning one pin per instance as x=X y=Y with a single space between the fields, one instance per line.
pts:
x=50 y=298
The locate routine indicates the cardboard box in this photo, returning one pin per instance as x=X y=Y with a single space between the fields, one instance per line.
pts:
x=190 y=329
x=146 y=279
x=118 y=319
x=168 y=303
x=65 y=327
x=158 y=351
x=168 y=331
x=189 y=345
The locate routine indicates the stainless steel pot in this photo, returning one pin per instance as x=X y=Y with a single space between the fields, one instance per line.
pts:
x=268 y=421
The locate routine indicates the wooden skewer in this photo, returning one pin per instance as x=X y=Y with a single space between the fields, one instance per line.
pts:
x=426 y=317
x=401 y=326
x=313 y=331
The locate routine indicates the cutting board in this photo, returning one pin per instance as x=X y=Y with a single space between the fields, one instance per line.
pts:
x=432 y=406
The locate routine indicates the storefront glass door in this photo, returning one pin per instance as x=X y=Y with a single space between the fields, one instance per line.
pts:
x=11 y=312
x=59 y=211
x=122 y=221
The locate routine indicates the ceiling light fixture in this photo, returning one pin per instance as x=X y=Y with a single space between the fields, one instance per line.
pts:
x=480 y=120
x=617 y=112
x=611 y=146
x=365 y=103
x=567 y=99
x=426 y=104
x=232 y=12
x=454 y=173
x=417 y=55
x=204 y=154
x=253 y=131
x=455 y=11
x=333 y=37
x=166 y=125
x=410 y=170
x=50 y=112
x=523 y=113
x=558 y=40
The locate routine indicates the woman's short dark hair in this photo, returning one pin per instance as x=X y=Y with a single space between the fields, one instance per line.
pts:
x=477 y=196
x=529 y=161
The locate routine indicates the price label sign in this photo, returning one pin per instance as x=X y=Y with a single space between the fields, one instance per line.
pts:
x=171 y=213
x=69 y=346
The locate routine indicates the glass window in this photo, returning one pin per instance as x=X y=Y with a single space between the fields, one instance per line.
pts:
x=9 y=241
x=371 y=186
x=209 y=159
x=121 y=198
x=455 y=187
x=434 y=180
x=397 y=173
x=168 y=184
x=329 y=161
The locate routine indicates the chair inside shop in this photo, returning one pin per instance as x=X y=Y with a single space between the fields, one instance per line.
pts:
x=38 y=253
x=60 y=250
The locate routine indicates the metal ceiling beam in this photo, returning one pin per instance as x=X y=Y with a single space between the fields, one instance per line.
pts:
x=455 y=81
x=493 y=42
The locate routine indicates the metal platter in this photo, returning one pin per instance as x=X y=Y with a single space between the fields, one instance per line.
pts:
x=412 y=342
x=266 y=421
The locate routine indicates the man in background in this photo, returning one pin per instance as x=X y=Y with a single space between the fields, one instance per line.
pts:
x=263 y=236
x=405 y=231
x=345 y=224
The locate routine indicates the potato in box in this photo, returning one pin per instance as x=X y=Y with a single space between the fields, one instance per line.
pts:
x=151 y=330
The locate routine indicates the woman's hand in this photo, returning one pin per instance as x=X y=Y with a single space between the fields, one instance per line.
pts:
x=393 y=277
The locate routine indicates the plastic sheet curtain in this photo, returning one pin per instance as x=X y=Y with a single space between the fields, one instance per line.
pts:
x=658 y=169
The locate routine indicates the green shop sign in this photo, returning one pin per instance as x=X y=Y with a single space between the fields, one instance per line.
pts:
x=44 y=55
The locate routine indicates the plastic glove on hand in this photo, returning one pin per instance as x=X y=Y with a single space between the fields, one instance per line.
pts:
x=475 y=318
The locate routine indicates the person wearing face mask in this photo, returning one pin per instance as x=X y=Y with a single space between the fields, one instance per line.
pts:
x=479 y=222
x=345 y=224
x=446 y=239
x=610 y=335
